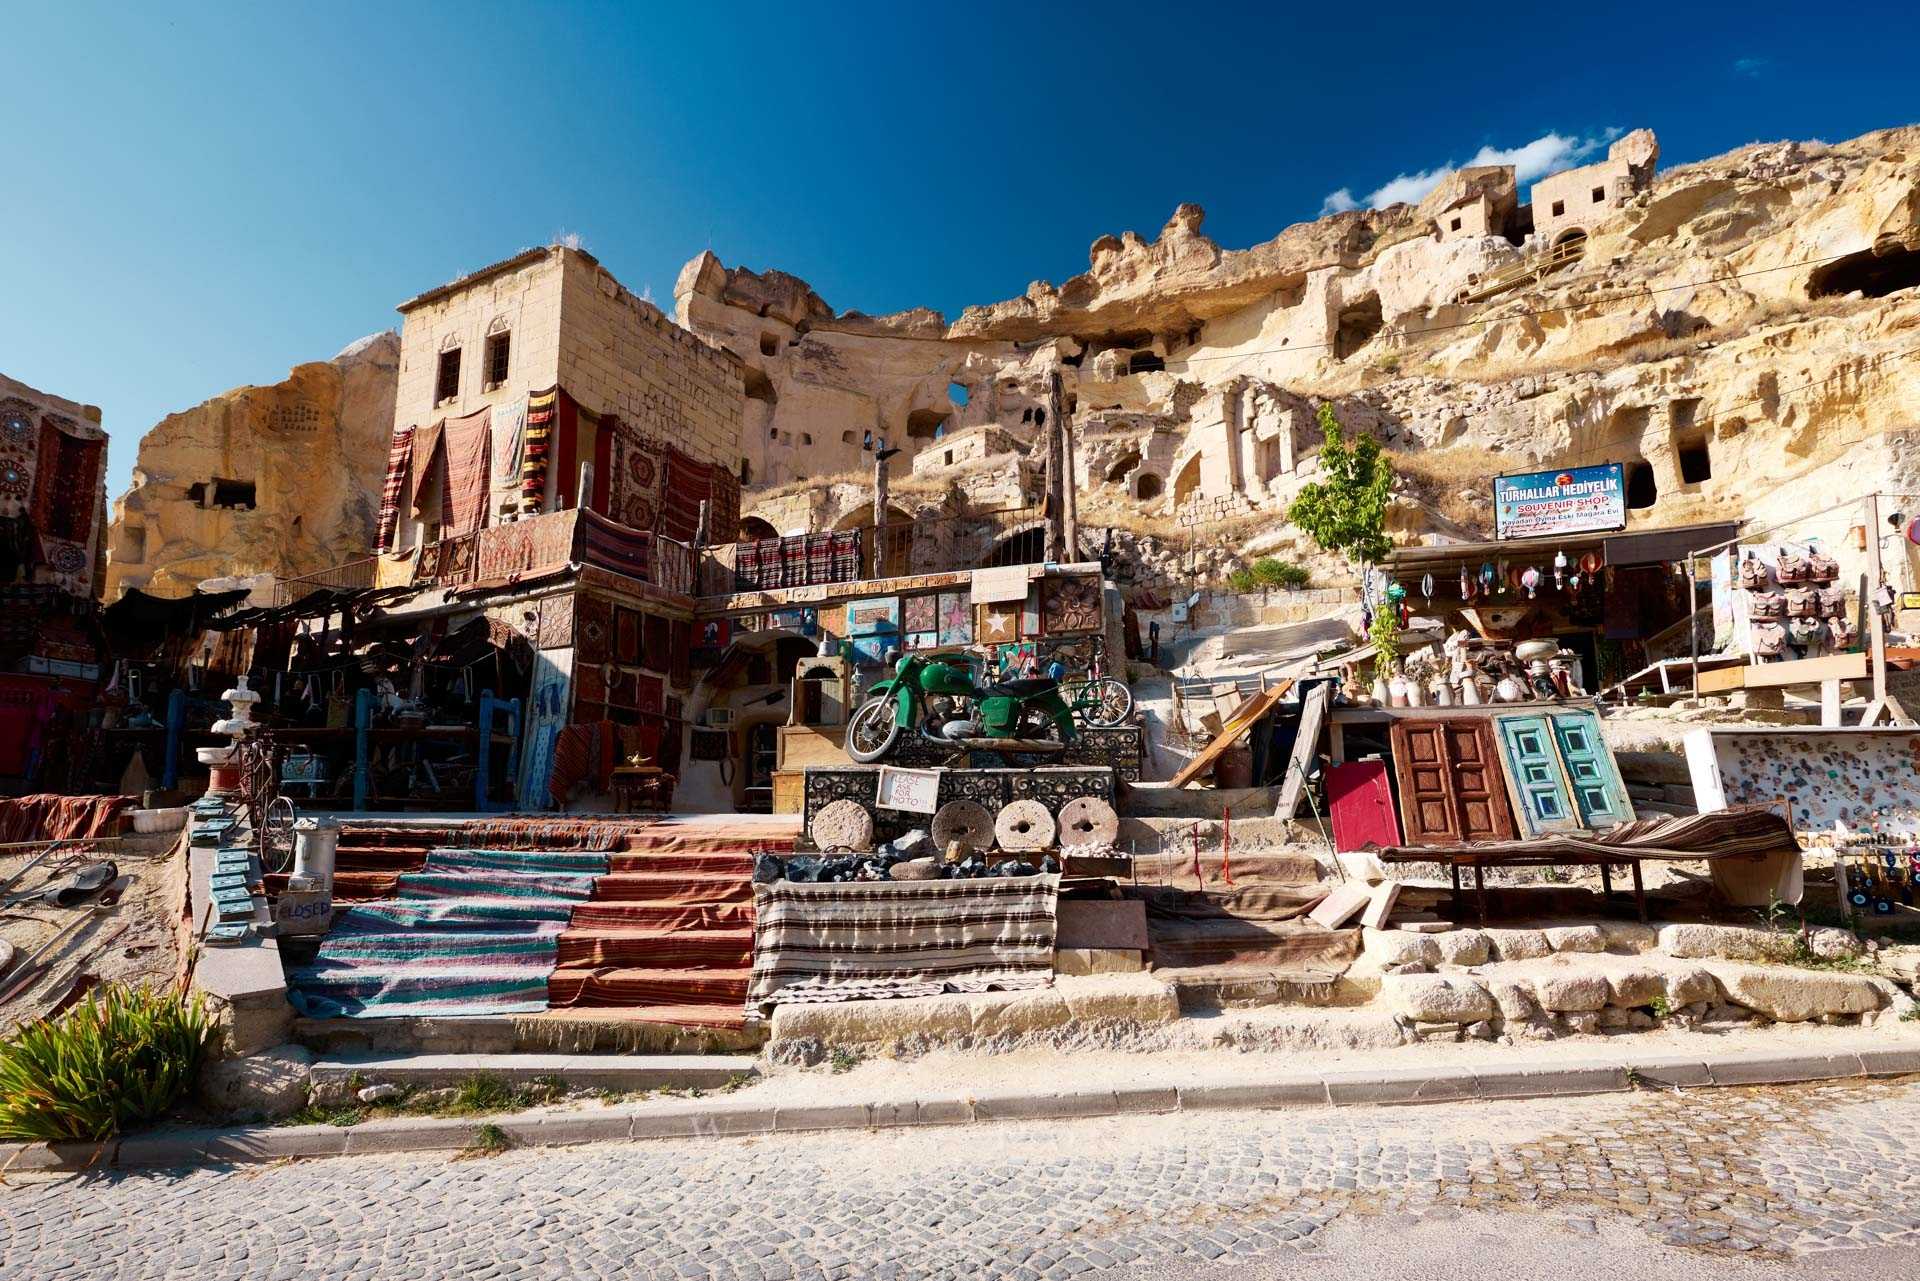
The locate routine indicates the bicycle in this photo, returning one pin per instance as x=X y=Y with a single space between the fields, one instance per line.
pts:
x=1100 y=701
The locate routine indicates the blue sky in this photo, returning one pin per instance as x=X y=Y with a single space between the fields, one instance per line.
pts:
x=200 y=196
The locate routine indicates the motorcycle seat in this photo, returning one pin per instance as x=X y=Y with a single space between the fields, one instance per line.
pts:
x=1024 y=688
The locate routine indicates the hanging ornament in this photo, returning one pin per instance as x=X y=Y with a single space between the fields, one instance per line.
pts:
x=1466 y=585
x=1486 y=578
x=1396 y=593
x=1590 y=564
x=1573 y=582
x=1426 y=586
x=1559 y=569
x=1516 y=577
x=1530 y=579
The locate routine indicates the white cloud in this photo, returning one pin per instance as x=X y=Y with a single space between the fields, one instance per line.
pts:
x=1752 y=68
x=1549 y=153
x=1340 y=201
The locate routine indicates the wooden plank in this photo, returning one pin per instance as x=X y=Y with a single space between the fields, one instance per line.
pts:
x=1243 y=720
x=1385 y=895
x=1427 y=810
x=1479 y=781
x=799 y=746
x=1306 y=745
x=1799 y=671
x=789 y=791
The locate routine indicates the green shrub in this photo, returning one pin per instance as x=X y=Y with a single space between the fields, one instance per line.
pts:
x=122 y=1056
x=1241 y=580
x=1269 y=572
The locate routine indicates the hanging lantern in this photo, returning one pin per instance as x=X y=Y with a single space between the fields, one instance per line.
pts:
x=1466 y=585
x=1559 y=569
x=1530 y=579
x=1426 y=586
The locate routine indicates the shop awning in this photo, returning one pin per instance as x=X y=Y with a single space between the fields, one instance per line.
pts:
x=1659 y=546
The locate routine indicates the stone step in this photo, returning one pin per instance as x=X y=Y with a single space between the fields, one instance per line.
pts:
x=650 y=1030
x=1202 y=988
x=596 y=1071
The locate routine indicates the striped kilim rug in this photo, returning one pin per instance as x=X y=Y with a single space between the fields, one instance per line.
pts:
x=868 y=939
x=472 y=932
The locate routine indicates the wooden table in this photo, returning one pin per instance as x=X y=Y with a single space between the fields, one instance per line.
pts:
x=642 y=788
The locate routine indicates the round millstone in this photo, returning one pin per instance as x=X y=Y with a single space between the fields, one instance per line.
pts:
x=1024 y=825
x=963 y=823
x=842 y=825
x=1088 y=821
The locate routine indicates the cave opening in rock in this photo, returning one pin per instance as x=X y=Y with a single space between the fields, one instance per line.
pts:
x=1147 y=487
x=1875 y=275
x=1696 y=464
x=759 y=387
x=753 y=527
x=1146 y=362
x=1187 y=484
x=926 y=424
x=1127 y=462
x=1358 y=324
x=1642 y=491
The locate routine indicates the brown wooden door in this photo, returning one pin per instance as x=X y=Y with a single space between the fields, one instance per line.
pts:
x=1451 y=787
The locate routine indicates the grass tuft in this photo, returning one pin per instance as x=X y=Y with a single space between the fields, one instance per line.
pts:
x=121 y=1057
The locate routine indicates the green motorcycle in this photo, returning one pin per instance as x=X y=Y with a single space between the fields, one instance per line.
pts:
x=935 y=697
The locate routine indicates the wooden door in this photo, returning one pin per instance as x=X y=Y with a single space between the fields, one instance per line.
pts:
x=1598 y=794
x=1360 y=805
x=1540 y=790
x=1452 y=788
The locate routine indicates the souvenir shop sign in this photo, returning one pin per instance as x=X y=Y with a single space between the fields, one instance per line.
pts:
x=1570 y=501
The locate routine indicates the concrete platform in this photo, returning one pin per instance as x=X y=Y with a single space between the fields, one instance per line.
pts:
x=598 y=1071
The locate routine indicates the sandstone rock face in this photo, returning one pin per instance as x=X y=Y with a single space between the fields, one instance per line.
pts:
x=1757 y=305
x=281 y=480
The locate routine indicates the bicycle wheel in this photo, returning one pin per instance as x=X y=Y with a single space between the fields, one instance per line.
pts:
x=1103 y=703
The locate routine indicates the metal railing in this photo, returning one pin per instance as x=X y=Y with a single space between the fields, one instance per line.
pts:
x=343 y=577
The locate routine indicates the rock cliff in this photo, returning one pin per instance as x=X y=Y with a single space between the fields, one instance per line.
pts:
x=281 y=480
x=1742 y=334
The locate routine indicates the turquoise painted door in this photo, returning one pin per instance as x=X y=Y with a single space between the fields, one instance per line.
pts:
x=1533 y=771
x=1598 y=792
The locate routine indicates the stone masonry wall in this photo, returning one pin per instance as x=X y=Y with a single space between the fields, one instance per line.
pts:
x=524 y=302
x=619 y=354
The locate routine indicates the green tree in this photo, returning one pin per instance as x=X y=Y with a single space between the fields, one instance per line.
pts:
x=1346 y=512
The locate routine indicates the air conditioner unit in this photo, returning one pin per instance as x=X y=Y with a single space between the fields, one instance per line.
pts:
x=720 y=717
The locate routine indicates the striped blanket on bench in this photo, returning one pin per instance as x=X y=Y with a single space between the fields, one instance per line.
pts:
x=879 y=939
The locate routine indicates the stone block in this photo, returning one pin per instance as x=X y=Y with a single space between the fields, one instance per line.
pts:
x=1571 y=993
x=1794 y=996
x=1576 y=938
x=410 y=1134
x=1630 y=936
x=1777 y=1069
x=1147 y=1098
x=1016 y=1014
x=1689 y=986
x=1724 y=942
x=1435 y=998
x=1636 y=987
x=832 y=1116
x=1129 y=999
x=1514 y=998
x=1399 y=947
x=1462 y=947
x=1583 y=1076
x=1518 y=945
x=1674 y=1072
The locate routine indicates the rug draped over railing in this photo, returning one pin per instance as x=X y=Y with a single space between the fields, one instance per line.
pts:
x=850 y=941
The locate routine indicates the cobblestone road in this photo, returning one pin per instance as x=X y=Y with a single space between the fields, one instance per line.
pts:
x=1724 y=1176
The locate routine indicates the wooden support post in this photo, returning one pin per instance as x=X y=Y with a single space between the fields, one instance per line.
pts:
x=1069 y=498
x=1454 y=864
x=1480 y=889
x=1056 y=500
x=1639 y=892
x=1830 y=705
x=362 y=765
x=1606 y=882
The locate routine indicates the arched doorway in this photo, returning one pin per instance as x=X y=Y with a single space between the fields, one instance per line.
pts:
x=1187 y=484
x=1022 y=547
x=753 y=527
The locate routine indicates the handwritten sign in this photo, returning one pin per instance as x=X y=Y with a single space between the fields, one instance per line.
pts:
x=914 y=790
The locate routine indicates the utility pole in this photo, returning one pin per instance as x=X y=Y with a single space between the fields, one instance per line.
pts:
x=1070 y=485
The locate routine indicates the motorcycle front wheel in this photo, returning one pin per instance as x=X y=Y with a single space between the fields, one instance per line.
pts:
x=873 y=730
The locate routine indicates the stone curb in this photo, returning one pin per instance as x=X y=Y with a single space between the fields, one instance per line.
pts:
x=696 y=1119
